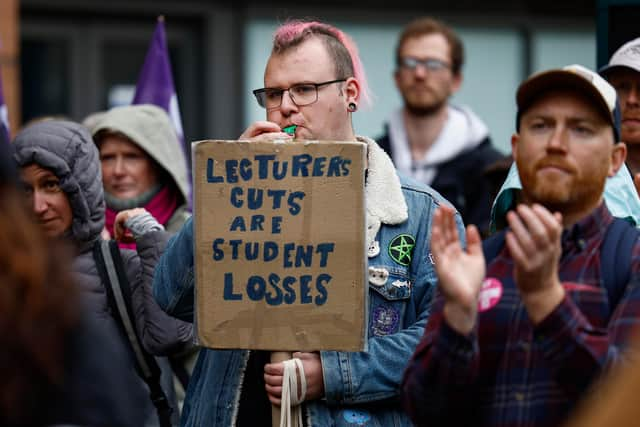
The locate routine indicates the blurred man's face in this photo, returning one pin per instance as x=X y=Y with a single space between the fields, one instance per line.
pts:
x=564 y=152
x=328 y=117
x=49 y=203
x=127 y=171
x=426 y=89
x=627 y=84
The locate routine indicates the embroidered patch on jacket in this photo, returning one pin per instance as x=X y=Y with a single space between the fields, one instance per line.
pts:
x=384 y=321
x=401 y=248
x=355 y=417
x=490 y=294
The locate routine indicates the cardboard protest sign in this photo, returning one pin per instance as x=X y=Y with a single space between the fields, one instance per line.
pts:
x=280 y=245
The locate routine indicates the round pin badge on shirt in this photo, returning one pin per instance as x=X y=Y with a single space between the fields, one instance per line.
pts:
x=490 y=294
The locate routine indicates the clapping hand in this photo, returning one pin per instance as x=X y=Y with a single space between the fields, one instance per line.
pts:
x=460 y=272
x=534 y=244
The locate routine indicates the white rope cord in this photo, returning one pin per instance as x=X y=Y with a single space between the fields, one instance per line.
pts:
x=290 y=409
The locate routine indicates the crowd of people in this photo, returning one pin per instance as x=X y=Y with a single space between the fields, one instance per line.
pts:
x=519 y=299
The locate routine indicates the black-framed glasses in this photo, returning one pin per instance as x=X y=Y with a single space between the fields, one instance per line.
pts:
x=430 y=64
x=301 y=94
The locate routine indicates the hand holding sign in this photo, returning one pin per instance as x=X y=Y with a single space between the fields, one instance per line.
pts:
x=312 y=364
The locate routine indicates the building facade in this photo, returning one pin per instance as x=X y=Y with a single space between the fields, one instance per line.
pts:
x=82 y=56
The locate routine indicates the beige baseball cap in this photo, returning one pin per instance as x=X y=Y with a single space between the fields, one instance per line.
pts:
x=572 y=77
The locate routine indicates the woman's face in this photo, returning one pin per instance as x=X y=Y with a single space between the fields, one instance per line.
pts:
x=49 y=203
x=127 y=171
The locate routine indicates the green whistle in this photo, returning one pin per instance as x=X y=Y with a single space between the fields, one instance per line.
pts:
x=291 y=130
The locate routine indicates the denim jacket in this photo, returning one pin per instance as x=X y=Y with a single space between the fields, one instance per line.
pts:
x=361 y=388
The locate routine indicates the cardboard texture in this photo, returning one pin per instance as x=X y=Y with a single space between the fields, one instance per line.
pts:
x=280 y=245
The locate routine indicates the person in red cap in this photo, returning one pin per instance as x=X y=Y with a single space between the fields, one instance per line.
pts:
x=517 y=337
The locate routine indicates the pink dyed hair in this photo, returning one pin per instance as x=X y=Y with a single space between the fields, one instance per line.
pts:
x=339 y=45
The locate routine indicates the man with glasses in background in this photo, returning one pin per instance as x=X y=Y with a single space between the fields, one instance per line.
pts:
x=314 y=82
x=439 y=144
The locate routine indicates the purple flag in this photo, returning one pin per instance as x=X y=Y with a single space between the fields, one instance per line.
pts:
x=155 y=84
x=4 y=116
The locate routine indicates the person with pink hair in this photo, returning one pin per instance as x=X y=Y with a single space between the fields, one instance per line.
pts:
x=322 y=50
x=314 y=83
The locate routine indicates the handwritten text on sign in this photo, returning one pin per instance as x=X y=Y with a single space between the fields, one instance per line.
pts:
x=279 y=238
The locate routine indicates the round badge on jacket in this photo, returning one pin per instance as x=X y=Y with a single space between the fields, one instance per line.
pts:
x=490 y=294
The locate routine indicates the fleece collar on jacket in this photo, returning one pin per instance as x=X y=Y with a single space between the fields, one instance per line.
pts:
x=385 y=202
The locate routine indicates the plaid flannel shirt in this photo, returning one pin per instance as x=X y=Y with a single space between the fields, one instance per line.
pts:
x=508 y=372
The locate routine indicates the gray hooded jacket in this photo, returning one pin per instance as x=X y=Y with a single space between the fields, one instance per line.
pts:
x=150 y=128
x=67 y=150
